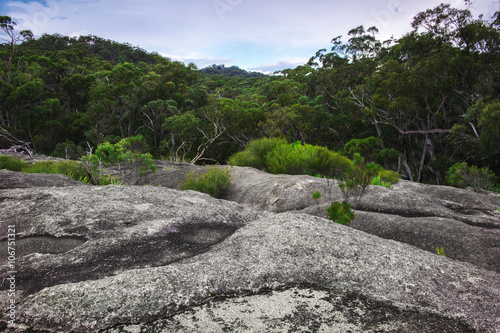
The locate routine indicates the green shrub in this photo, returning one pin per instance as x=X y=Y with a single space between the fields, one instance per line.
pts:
x=316 y=195
x=68 y=150
x=109 y=180
x=213 y=182
x=379 y=182
x=295 y=159
x=69 y=168
x=278 y=157
x=12 y=163
x=103 y=180
x=440 y=251
x=367 y=148
x=340 y=212
x=329 y=163
x=357 y=179
x=387 y=156
x=461 y=175
x=73 y=169
x=129 y=152
x=254 y=154
x=40 y=167
x=389 y=176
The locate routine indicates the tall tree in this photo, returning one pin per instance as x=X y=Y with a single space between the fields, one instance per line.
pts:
x=7 y=26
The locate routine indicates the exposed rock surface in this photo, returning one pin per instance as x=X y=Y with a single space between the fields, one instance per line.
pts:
x=336 y=264
x=125 y=227
x=464 y=223
x=11 y=179
x=156 y=259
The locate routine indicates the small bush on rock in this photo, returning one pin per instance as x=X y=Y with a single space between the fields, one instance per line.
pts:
x=440 y=251
x=129 y=153
x=340 y=212
x=69 y=168
x=12 y=163
x=296 y=159
x=214 y=182
x=254 y=154
x=462 y=175
x=316 y=195
x=379 y=182
x=278 y=157
x=389 y=176
x=357 y=179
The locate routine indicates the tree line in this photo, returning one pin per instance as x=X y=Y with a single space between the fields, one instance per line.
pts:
x=417 y=104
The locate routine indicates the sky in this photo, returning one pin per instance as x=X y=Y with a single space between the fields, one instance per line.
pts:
x=256 y=35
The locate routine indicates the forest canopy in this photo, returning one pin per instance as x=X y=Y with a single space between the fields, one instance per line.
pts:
x=421 y=103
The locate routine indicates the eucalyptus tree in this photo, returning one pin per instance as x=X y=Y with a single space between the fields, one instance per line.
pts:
x=428 y=81
x=12 y=38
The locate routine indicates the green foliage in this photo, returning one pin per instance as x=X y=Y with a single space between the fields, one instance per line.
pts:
x=278 y=157
x=388 y=176
x=316 y=195
x=387 y=156
x=296 y=159
x=340 y=212
x=229 y=71
x=12 y=163
x=255 y=152
x=109 y=180
x=379 y=182
x=357 y=179
x=57 y=89
x=73 y=169
x=213 y=182
x=128 y=155
x=103 y=180
x=68 y=150
x=367 y=148
x=440 y=251
x=69 y=168
x=462 y=175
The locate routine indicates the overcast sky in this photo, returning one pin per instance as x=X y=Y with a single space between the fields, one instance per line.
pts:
x=264 y=35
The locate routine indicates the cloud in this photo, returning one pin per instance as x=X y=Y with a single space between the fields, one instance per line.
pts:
x=258 y=34
x=199 y=61
x=280 y=65
x=34 y=15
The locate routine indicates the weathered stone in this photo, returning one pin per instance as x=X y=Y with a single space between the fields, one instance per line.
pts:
x=299 y=309
x=11 y=179
x=282 y=193
x=466 y=224
x=249 y=186
x=151 y=259
x=477 y=245
x=115 y=228
x=340 y=268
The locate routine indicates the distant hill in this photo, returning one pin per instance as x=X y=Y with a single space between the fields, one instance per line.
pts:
x=90 y=45
x=229 y=71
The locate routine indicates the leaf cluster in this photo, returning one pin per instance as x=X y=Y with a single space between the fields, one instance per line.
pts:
x=462 y=175
x=278 y=157
x=128 y=155
x=340 y=212
x=357 y=179
x=214 y=181
x=70 y=168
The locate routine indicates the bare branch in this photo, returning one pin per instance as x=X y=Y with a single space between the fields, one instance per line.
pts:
x=14 y=143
